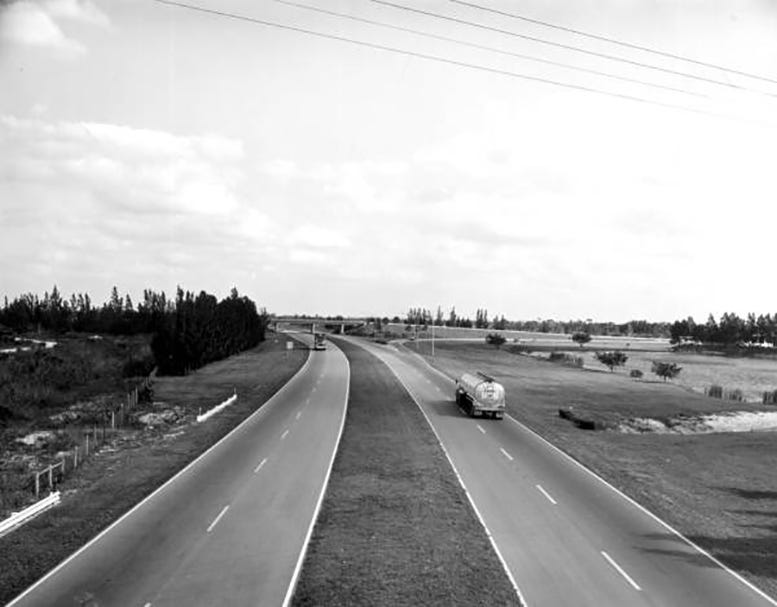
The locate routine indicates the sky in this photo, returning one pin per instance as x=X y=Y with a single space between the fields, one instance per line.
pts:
x=145 y=145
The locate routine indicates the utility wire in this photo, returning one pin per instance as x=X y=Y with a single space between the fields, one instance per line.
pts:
x=485 y=48
x=569 y=47
x=613 y=41
x=435 y=58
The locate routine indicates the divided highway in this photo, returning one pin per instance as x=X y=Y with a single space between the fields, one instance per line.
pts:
x=230 y=528
x=565 y=536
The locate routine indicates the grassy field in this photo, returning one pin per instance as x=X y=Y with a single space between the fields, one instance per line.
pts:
x=752 y=376
x=533 y=338
x=115 y=479
x=717 y=489
x=395 y=527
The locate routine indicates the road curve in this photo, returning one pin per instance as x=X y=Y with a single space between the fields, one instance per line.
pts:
x=229 y=529
x=566 y=536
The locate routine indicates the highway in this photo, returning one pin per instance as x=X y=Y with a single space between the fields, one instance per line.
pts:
x=564 y=535
x=230 y=528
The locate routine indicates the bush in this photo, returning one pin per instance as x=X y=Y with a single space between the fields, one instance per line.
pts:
x=770 y=398
x=613 y=359
x=714 y=391
x=566 y=359
x=495 y=339
x=636 y=373
x=666 y=370
x=736 y=395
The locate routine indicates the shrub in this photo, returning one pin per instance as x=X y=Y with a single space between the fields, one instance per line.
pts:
x=770 y=398
x=613 y=359
x=565 y=359
x=714 y=391
x=636 y=373
x=666 y=370
x=581 y=338
x=735 y=394
x=495 y=339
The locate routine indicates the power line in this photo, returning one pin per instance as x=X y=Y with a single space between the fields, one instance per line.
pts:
x=569 y=47
x=485 y=48
x=623 y=43
x=435 y=58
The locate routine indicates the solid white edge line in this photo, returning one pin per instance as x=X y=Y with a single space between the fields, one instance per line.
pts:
x=217 y=519
x=258 y=413
x=481 y=428
x=506 y=454
x=259 y=467
x=620 y=570
x=285 y=434
x=664 y=524
x=655 y=517
x=546 y=494
x=298 y=568
x=461 y=482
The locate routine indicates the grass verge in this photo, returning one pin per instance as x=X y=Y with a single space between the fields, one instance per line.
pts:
x=114 y=480
x=395 y=527
x=716 y=489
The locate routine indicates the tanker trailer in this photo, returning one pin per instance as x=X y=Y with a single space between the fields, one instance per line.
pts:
x=479 y=393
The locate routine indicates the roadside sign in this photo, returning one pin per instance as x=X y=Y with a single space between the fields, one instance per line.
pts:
x=289 y=345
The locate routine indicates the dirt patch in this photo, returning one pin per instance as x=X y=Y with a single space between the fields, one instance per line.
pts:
x=395 y=527
x=734 y=421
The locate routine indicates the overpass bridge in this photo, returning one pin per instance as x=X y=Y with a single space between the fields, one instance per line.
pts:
x=337 y=325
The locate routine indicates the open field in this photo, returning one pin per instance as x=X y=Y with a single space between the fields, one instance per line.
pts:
x=533 y=339
x=118 y=477
x=751 y=375
x=717 y=489
x=395 y=527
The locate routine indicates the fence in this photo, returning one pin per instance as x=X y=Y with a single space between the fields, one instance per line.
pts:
x=88 y=440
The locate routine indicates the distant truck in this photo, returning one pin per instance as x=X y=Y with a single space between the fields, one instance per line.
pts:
x=479 y=393
x=319 y=342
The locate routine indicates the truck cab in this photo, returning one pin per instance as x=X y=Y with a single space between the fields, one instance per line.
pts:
x=319 y=341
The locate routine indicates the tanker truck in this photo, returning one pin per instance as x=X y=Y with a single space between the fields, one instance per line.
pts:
x=479 y=393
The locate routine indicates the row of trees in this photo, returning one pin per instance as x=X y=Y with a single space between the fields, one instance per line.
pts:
x=730 y=330
x=188 y=332
x=54 y=313
x=202 y=329
x=640 y=328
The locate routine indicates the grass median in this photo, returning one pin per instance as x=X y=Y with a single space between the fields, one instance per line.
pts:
x=395 y=527
x=114 y=480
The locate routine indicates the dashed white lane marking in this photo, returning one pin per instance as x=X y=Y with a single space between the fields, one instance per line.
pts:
x=620 y=570
x=285 y=432
x=307 y=400
x=314 y=389
x=299 y=413
x=147 y=605
x=438 y=389
x=506 y=454
x=546 y=494
x=481 y=429
x=259 y=467
x=217 y=519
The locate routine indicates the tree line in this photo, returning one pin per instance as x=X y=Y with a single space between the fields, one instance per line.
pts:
x=729 y=331
x=639 y=328
x=188 y=332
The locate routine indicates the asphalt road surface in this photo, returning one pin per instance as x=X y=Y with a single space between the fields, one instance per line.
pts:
x=565 y=536
x=230 y=528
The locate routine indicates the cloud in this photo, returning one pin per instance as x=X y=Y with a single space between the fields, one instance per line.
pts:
x=138 y=170
x=35 y=24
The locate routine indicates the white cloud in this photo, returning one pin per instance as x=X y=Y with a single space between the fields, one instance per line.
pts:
x=36 y=24
x=30 y=24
